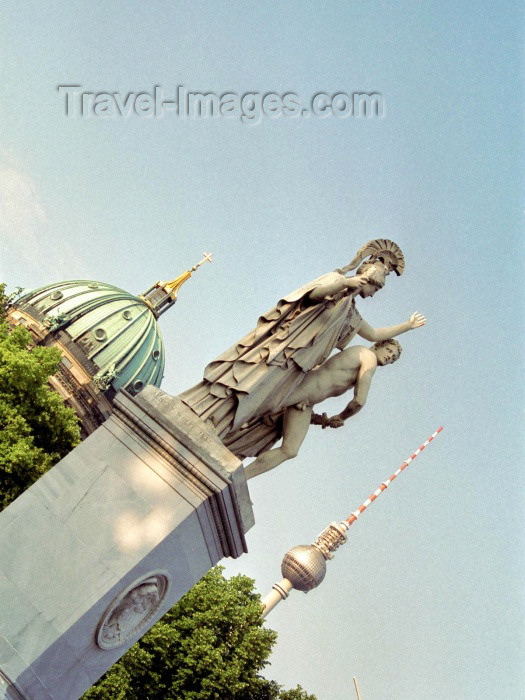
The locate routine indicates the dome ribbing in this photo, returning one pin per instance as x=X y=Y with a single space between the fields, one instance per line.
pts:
x=115 y=333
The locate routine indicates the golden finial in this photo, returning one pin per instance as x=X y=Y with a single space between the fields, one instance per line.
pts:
x=164 y=294
x=174 y=286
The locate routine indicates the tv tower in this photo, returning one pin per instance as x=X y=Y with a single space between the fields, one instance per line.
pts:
x=304 y=567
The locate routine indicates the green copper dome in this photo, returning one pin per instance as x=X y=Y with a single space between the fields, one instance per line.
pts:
x=115 y=334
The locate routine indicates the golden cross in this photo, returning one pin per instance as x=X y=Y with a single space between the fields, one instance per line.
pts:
x=207 y=258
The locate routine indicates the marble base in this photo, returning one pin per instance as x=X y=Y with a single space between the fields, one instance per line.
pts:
x=101 y=546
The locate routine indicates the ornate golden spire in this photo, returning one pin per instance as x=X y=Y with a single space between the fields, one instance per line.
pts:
x=162 y=295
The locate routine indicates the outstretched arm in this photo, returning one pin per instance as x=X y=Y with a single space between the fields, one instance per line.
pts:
x=376 y=334
x=340 y=284
x=350 y=410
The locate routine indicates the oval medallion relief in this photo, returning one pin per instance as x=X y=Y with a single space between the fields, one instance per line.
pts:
x=130 y=612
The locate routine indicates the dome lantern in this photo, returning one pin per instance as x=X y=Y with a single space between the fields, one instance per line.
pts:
x=162 y=295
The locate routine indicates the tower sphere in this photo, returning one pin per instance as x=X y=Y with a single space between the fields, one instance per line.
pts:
x=304 y=566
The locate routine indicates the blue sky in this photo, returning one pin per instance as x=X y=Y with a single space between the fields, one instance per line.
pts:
x=426 y=600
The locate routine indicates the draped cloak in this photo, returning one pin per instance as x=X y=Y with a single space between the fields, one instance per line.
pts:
x=244 y=390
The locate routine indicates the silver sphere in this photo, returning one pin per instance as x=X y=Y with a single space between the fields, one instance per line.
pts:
x=304 y=566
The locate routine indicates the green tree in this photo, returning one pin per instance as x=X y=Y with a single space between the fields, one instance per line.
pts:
x=36 y=428
x=210 y=646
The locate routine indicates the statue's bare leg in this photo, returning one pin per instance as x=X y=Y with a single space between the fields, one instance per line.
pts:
x=295 y=427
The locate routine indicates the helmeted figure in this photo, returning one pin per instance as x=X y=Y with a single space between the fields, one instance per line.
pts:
x=251 y=380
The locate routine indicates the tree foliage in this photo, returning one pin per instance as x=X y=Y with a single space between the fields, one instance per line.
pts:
x=210 y=646
x=36 y=428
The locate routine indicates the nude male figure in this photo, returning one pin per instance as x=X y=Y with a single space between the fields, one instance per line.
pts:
x=353 y=367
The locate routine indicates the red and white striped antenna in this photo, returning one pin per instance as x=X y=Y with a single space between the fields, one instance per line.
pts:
x=304 y=566
x=352 y=518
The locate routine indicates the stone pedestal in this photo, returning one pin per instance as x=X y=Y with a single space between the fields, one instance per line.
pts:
x=109 y=539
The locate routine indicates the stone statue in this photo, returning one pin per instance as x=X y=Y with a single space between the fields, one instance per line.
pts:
x=254 y=378
x=353 y=367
